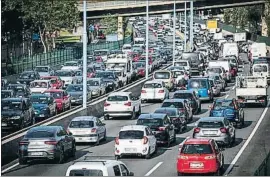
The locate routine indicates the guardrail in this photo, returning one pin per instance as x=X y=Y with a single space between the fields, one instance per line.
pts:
x=264 y=168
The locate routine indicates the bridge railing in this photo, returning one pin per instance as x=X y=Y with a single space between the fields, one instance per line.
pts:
x=264 y=168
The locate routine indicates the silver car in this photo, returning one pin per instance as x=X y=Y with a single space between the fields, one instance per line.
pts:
x=46 y=142
x=217 y=128
x=219 y=81
x=97 y=86
x=215 y=88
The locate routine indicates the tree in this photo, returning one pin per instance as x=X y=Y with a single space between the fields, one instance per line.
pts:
x=46 y=17
x=111 y=23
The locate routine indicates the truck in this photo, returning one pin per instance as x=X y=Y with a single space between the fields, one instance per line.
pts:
x=166 y=16
x=240 y=37
x=257 y=50
x=251 y=90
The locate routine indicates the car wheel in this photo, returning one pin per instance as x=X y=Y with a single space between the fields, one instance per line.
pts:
x=106 y=117
x=22 y=161
x=148 y=156
x=117 y=157
x=105 y=136
x=61 y=157
x=218 y=173
x=233 y=140
x=69 y=106
x=21 y=125
x=133 y=114
x=174 y=138
x=97 y=143
x=180 y=174
x=73 y=150
x=55 y=112
x=139 y=111
x=33 y=121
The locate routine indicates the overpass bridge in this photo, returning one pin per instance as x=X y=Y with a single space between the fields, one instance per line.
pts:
x=137 y=7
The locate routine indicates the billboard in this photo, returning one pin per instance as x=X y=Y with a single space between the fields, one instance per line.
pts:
x=212 y=24
x=120 y=28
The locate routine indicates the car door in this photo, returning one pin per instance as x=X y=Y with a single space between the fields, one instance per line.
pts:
x=124 y=170
x=170 y=127
x=217 y=152
x=101 y=128
x=150 y=137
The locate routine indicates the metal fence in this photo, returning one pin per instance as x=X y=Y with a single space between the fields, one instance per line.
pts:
x=264 y=168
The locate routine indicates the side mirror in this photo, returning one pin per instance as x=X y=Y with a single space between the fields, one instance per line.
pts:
x=131 y=174
x=69 y=133
x=62 y=65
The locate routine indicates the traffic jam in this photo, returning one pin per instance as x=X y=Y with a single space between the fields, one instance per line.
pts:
x=179 y=90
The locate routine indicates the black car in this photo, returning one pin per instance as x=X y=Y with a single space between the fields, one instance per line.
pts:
x=161 y=126
x=20 y=90
x=192 y=98
x=16 y=113
x=177 y=118
x=110 y=79
x=28 y=76
x=7 y=94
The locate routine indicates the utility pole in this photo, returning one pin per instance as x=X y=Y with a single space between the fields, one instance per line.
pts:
x=191 y=25
x=185 y=36
x=147 y=38
x=174 y=30
x=84 y=54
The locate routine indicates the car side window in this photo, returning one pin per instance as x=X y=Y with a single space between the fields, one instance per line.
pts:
x=62 y=132
x=99 y=123
x=124 y=170
x=116 y=170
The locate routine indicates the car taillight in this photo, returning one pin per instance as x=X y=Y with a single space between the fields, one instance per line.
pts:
x=143 y=91
x=116 y=140
x=106 y=104
x=210 y=157
x=93 y=130
x=51 y=142
x=223 y=130
x=128 y=104
x=197 y=130
x=161 y=128
x=145 y=140
x=161 y=91
x=182 y=157
x=182 y=110
x=23 y=143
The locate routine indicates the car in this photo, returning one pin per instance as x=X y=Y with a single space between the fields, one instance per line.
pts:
x=218 y=70
x=44 y=70
x=71 y=65
x=191 y=97
x=230 y=109
x=44 y=106
x=219 y=81
x=61 y=97
x=141 y=69
x=122 y=104
x=28 y=76
x=16 y=113
x=97 y=86
x=217 y=128
x=154 y=90
x=39 y=86
x=87 y=129
x=110 y=78
x=20 y=90
x=68 y=76
x=180 y=104
x=55 y=81
x=135 y=140
x=202 y=87
x=91 y=166
x=166 y=76
x=215 y=88
x=161 y=126
x=46 y=142
x=200 y=156
x=76 y=93
x=7 y=94
x=177 y=118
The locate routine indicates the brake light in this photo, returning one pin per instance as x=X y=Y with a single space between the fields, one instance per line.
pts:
x=143 y=91
x=51 y=142
x=182 y=110
x=197 y=130
x=116 y=140
x=182 y=157
x=93 y=130
x=23 y=143
x=106 y=104
x=161 y=128
x=223 y=130
x=161 y=91
x=128 y=104
x=145 y=140
x=210 y=157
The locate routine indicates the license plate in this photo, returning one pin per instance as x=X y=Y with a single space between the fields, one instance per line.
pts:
x=250 y=101
x=72 y=101
x=130 y=150
x=210 y=132
x=196 y=165
x=4 y=124
x=80 y=138
x=41 y=115
x=36 y=153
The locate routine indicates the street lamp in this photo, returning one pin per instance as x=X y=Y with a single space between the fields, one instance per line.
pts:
x=174 y=30
x=191 y=25
x=147 y=38
x=84 y=54
x=185 y=36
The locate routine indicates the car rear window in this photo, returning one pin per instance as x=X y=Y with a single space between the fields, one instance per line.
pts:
x=39 y=134
x=182 y=95
x=131 y=134
x=196 y=149
x=173 y=104
x=81 y=124
x=213 y=124
x=180 y=64
x=198 y=84
x=153 y=85
x=214 y=70
x=86 y=172
x=117 y=98
x=162 y=75
x=170 y=112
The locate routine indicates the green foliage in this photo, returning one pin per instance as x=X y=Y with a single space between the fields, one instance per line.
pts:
x=111 y=23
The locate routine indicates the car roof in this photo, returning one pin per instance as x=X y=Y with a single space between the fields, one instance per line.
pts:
x=38 y=95
x=42 y=66
x=41 y=81
x=223 y=100
x=184 y=91
x=197 y=141
x=152 y=116
x=153 y=81
x=167 y=109
x=174 y=100
x=94 y=163
x=80 y=118
x=46 y=128
x=133 y=127
x=120 y=94
x=206 y=119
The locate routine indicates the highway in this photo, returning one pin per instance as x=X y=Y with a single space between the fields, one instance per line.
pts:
x=162 y=164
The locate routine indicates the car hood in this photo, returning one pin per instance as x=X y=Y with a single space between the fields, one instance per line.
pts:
x=44 y=74
x=94 y=87
x=10 y=113
x=39 y=106
x=228 y=113
x=75 y=94
x=108 y=80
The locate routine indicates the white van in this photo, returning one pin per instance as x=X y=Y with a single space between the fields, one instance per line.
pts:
x=260 y=70
x=225 y=64
x=258 y=50
x=184 y=63
x=229 y=49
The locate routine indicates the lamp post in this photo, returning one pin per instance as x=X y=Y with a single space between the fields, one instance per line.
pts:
x=191 y=25
x=147 y=38
x=84 y=55
x=174 y=31
x=185 y=36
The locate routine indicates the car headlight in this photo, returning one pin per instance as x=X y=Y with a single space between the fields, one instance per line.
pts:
x=15 y=117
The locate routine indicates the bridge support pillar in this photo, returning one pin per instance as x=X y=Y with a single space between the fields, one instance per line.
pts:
x=120 y=31
x=264 y=25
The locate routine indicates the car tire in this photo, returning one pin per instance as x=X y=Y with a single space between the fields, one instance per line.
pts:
x=133 y=114
x=61 y=157
x=22 y=161
x=33 y=121
x=233 y=140
x=148 y=156
x=69 y=108
x=22 y=125
x=105 y=136
x=98 y=141
x=139 y=111
x=174 y=138
x=218 y=173
x=117 y=157
x=73 y=150
x=180 y=174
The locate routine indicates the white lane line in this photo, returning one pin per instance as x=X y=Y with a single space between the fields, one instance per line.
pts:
x=153 y=169
x=9 y=168
x=226 y=96
x=247 y=142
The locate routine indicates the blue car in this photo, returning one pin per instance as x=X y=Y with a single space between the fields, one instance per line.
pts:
x=202 y=87
x=44 y=106
x=230 y=109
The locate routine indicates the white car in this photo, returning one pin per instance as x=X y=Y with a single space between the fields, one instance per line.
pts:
x=87 y=129
x=67 y=76
x=98 y=167
x=122 y=104
x=71 y=65
x=154 y=90
x=127 y=48
x=39 y=86
x=135 y=140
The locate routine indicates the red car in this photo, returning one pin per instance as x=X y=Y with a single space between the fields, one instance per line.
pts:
x=56 y=82
x=199 y=156
x=62 y=98
x=91 y=72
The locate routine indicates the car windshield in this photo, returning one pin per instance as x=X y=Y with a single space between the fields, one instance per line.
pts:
x=100 y=53
x=5 y=94
x=55 y=95
x=139 y=65
x=210 y=124
x=198 y=84
x=223 y=105
x=260 y=68
x=182 y=96
x=71 y=64
x=86 y=172
x=64 y=73
x=42 y=69
x=170 y=113
x=152 y=85
x=81 y=124
x=196 y=149
x=93 y=83
x=74 y=88
x=193 y=57
x=39 y=85
x=117 y=98
x=150 y=122
x=180 y=63
x=131 y=134
x=39 y=99
x=172 y=104
x=10 y=105
x=39 y=134
x=214 y=70
x=126 y=47
x=108 y=75
x=27 y=75
x=162 y=75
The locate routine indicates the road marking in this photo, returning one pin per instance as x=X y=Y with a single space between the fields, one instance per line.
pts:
x=247 y=142
x=153 y=169
x=226 y=96
x=9 y=168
